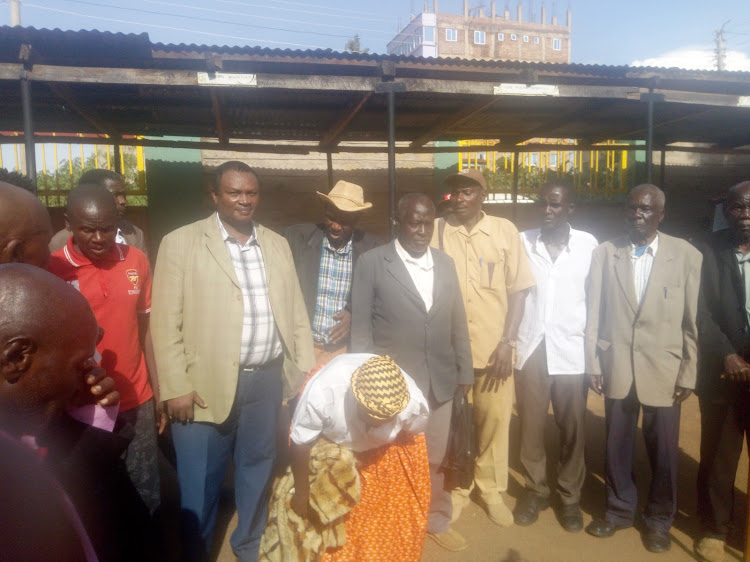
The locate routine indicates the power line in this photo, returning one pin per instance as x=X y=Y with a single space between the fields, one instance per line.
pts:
x=172 y=28
x=301 y=11
x=307 y=4
x=233 y=13
x=154 y=12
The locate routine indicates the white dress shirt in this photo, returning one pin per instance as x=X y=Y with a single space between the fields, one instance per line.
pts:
x=642 y=267
x=420 y=271
x=329 y=409
x=555 y=309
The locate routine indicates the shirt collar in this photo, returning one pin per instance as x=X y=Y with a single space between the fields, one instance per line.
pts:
x=741 y=258
x=77 y=259
x=481 y=226
x=345 y=249
x=569 y=245
x=651 y=249
x=226 y=236
x=424 y=261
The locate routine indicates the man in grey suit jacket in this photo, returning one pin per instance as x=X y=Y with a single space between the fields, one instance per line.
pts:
x=406 y=303
x=641 y=351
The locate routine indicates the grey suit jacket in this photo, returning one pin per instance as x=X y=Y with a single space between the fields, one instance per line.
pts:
x=654 y=345
x=389 y=317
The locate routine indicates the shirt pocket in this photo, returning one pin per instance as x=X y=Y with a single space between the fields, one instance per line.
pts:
x=490 y=273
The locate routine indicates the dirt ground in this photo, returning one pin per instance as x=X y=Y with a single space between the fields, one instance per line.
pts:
x=546 y=541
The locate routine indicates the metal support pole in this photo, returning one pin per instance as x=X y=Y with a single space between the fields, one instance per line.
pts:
x=662 y=168
x=28 y=127
x=650 y=138
x=329 y=161
x=118 y=158
x=392 y=160
x=514 y=189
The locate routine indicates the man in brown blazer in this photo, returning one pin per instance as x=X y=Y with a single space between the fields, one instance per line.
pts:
x=641 y=352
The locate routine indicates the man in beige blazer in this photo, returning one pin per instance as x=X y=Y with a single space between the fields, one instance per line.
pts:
x=231 y=336
x=641 y=352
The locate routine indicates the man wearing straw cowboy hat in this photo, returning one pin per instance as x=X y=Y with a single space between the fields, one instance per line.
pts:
x=324 y=256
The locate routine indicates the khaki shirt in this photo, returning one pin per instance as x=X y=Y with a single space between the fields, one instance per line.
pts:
x=491 y=264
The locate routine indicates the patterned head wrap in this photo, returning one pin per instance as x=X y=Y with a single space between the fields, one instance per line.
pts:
x=380 y=387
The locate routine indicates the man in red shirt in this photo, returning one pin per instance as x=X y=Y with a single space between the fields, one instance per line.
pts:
x=116 y=281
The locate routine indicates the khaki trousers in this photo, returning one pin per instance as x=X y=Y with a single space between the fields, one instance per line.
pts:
x=492 y=413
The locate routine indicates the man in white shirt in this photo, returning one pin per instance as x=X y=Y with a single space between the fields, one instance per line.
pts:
x=406 y=303
x=550 y=361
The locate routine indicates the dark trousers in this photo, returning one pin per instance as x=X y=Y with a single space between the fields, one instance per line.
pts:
x=535 y=388
x=436 y=436
x=723 y=427
x=142 y=455
x=248 y=437
x=661 y=431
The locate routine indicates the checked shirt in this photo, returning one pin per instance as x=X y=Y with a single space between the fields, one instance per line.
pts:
x=334 y=287
x=260 y=339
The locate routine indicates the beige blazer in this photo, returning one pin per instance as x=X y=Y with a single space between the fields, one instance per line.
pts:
x=654 y=345
x=197 y=312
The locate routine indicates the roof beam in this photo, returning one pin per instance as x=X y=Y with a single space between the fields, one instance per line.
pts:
x=219 y=117
x=333 y=136
x=444 y=123
x=64 y=92
x=633 y=132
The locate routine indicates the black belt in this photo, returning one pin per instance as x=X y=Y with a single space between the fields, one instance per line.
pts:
x=271 y=363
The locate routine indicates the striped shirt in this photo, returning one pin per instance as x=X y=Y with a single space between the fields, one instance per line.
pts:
x=334 y=287
x=643 y=261
x=260 y=339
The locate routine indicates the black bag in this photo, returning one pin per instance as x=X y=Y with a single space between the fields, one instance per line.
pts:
x=458 y=464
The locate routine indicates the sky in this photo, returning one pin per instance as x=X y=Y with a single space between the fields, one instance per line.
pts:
x=651 y=32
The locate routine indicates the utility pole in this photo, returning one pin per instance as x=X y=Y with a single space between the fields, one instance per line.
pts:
x=15 y=12
x=720 y=52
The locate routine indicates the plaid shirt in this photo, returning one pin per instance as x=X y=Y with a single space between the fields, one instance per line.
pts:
x=334 y=287
x=260 y=339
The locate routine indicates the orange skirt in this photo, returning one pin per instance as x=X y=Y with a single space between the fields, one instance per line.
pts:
x=390 y=520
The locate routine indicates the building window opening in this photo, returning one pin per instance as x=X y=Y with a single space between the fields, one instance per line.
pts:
x=536 y=40
x=556 y=44
x=429 y=34
x=480 y=38
x=501 y=36
x=451 y=34
x=513 y=37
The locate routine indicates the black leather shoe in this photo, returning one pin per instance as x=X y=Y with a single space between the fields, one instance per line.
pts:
x=571 y=518
x=656 y=541
x=603 y=529
x=528 y=508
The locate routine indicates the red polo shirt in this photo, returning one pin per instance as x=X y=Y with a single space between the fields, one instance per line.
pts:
x=118 y=289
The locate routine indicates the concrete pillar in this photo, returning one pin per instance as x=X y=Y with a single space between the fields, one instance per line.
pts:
x=15 y=12
x=466 y=8
x=481 y=12
x=435 y=6
x=519 y=12
x=426 y=7
x=507 y=14
x=568 y=19
x=544 y=14
x=492 y=9
x=554 y=20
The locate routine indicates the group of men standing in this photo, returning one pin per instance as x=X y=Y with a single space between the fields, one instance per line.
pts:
x=462 y=303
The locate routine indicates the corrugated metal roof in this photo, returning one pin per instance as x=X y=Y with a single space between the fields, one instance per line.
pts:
x=99 y=48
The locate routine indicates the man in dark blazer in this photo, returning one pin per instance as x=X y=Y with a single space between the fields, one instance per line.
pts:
x=641 y=352
x=325 y=255
x=723 y=370
x=407 y=304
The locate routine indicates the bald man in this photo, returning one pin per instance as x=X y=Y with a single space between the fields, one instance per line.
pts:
x=116 y=281
x=724 y=371
x=47 y=340
x=641 y=353
x=25 y=231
